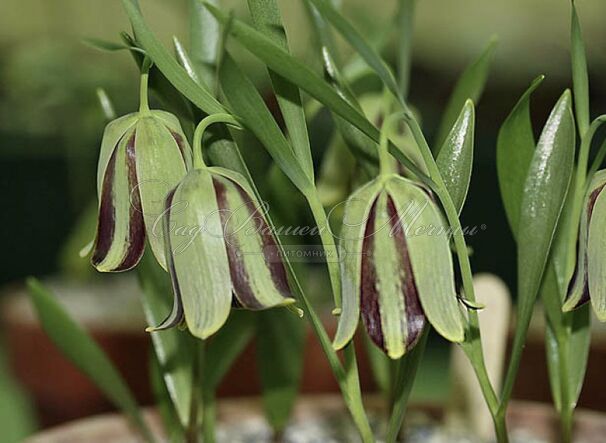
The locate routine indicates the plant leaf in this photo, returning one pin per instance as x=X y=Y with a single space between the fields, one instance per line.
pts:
x=545 y=191
x=266 y=18
x=455 y=159
x=515 y=149
x=280 y=342
x=469 y=86
x=83 y=352
x=164 y=404
x=204 y=42
x=176 y=74
x=580 y=78
x=244 y=97
x=175 y=349
x=354 y=38
x=406 y=14
x=104 y=45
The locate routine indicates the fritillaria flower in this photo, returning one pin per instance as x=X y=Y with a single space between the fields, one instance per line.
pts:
x=143 y=156
x=397 y=272
x=589 y=279
x=220 y=249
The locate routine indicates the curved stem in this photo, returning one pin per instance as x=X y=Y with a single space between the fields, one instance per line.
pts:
x=201 y=128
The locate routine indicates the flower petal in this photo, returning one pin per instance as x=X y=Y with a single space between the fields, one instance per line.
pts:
x=198 y=261
x=355 y=219
x=257 y=269
x=120 y=239
x=596 y=254
x=427 y=238
x=160 y=167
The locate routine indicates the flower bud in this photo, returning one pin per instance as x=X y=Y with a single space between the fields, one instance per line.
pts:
x=143 y=156
x=589 y=279
x=220 y=251
x=397 y=270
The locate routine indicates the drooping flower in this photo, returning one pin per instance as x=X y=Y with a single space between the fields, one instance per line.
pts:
x=220 y=251
x=397 y=271
x=589 y=279
x=143 y=156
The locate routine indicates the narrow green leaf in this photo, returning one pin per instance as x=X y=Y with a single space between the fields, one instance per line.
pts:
x=250 y=107
x=104 y=45
x=204 y=42
x=176 y=74
x=226 y=345
x=185 y=59
x=455 y=159
x=545 y=191
x=580 y=78
x=280 y=342
x=406 y=14
x=515 y=149
x=164 y=404
x=266 y=18
x=354 y=38
x=174 y=349
x=83 y=352
x=299 y=73
x=469 y=86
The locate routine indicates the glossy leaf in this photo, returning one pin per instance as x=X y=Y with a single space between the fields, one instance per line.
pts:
x=176 y=74
x=515 y=149
x=244 y=98
x=455 y=159
x=545 y=191
x=82 y=351
x=280 y=341
x=185 y=60
x=580 y=78
x=174 y=349
x=266 y=18
x=163 y=402
x=469 y=87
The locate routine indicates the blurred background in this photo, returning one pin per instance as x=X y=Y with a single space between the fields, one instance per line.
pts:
x=51 y=125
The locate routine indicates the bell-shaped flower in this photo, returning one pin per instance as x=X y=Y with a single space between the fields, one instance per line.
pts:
x=397 y=269
x=143 y=156
x=589 y=279
x=221 y=251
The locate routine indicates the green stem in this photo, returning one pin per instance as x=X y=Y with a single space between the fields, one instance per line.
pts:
x=192 y=431
x=201 y=129
x=348 y=380
x=143 y=93
x=405 y=375
x=473 y=344
x=209 y=417
x=566 y=414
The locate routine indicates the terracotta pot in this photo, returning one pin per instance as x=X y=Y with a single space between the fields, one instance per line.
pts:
x=527 y=421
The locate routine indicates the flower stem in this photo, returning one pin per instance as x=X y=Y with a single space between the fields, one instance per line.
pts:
x=347 y=376
x=473 y=344
x=143 y=92
x=201 y=129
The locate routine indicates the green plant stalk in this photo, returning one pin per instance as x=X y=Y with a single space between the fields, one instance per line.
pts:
x=473 y=346
x=209 y=413
x=350 y=387
x=404 y=379
x=566 y=414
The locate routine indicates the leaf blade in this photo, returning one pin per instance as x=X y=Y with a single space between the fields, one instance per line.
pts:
x=455 y=159
x=82 y=350
x=580 y=78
